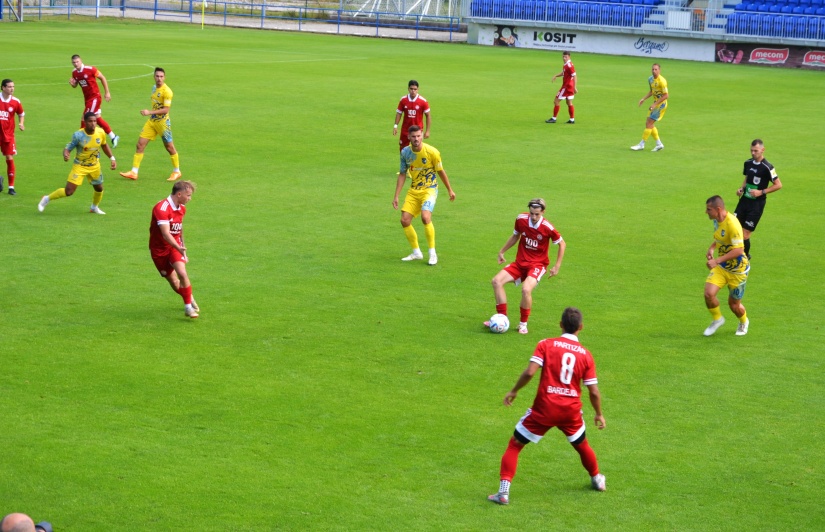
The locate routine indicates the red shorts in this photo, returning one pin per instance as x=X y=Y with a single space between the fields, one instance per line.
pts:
x=93 y=106
x=520 y=272
x=565 y=94
x=8 y=148
x=164 y=262
x=572 y=425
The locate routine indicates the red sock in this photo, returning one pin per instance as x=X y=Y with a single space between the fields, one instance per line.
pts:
x=103 y=124
x=555 y=111
x=186 y=294
x=509 y=462
x=501 y=308
x=572 y=111
x=10 y=171
x=588 y=457
x=525 y=314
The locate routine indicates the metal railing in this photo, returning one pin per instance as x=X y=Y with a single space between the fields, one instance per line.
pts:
x=260 y=15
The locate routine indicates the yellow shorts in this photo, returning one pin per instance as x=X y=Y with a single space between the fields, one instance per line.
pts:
x=92 y=173
x=734 y=281
x=658 y=113
x=153 y=129
x=420 y=200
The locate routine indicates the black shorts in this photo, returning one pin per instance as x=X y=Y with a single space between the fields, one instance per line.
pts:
x=748 y=212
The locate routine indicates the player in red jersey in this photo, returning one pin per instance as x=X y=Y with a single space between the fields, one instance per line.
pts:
x=86 y=77
x=166 y=243
x=564 y=365
x=568 y=89
x=415 y=110
x=534 y=235
x=9 y=106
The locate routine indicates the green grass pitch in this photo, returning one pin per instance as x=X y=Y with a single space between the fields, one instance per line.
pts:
x=328 y=385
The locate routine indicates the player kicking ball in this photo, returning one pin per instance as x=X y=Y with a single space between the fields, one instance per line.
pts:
x=534 y=234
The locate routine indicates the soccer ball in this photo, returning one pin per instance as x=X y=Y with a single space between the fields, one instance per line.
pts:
x=499 y=323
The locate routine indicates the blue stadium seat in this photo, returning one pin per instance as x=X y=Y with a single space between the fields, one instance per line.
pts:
x=786 y=9
x=776 y=26
x=763 y=8
x=754 y=24
x=776 y=9
x=550 y=13
x=798 y=10
x=585 y=13
x=573 y=12
x=820 y=12
x=800 y=28
x=810 y=10
x=818 y=3
x=616 y=15
x=730 y=23
x=765 y=22
x=813 y=28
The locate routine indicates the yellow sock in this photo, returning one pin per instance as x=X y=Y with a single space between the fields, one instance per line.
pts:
x=655 y=133
x=429 y=231
x=646 y=133
x=743 y=318
x=175 y=162
x=412 y=236
x=716 y=313
x=57 y=194
x=136 y=161
x=96 y=197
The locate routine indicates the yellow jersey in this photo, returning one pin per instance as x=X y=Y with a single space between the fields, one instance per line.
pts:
x=658 y=87
x=423 y=166
x=161 y=97
x=728 y=235
x=88 y=147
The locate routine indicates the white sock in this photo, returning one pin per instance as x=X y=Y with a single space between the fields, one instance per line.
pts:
x=504 y=487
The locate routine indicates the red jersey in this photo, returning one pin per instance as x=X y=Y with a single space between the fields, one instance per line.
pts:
x=413 y=111
x=564 y=365
x=534 y=244
x=567 y=81
x=9 y=108
x=166 y=213
x=86 y=77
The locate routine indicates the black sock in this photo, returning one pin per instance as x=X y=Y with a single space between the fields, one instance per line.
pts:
x=748 y=247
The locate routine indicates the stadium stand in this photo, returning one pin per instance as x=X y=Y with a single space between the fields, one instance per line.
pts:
x=774 y=19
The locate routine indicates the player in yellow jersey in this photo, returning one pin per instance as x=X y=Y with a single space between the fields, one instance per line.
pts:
x=158 y=125
x=421 y=162
x=88 y=142
x=730 y=267
x=658 y=89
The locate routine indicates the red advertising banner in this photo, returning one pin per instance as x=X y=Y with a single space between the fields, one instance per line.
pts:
x=772 y=55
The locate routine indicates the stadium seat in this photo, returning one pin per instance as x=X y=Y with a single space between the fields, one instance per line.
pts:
x=813 y=28
x=786 y=9
x=776 y=9
x=730 y=23
x=800 y=28
x=550 y=12
x=820 y=12
x=798 y=10
x=810 y=10
x=763 y=8
x=776 y=26
x=765 y=21
x=574 y=12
